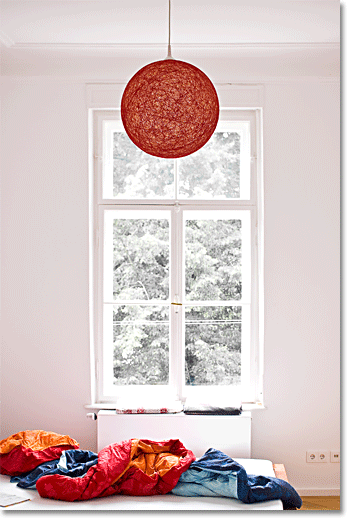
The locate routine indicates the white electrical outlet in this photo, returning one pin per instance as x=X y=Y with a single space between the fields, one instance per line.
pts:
x=312 y=456
x=335 y=457
x=323 y=456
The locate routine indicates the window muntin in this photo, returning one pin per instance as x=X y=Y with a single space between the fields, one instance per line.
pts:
x=218 y=171
x=244 y=333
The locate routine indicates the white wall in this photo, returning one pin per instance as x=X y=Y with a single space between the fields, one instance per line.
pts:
x=302 y=314
x=45 y=357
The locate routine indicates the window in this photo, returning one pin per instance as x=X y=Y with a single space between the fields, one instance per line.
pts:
x=177 y=304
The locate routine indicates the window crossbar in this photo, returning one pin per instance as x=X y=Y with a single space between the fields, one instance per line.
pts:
x=196 y=321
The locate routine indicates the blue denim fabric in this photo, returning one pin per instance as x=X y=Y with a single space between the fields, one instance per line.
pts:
x=216 y=474
x=73 y=463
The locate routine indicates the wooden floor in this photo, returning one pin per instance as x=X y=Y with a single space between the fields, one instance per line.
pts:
x=320 y=503
x=310 y=502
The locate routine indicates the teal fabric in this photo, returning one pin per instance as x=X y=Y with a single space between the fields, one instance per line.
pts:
x=210 y=483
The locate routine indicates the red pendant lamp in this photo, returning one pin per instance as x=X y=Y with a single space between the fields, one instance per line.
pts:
x=169 y=108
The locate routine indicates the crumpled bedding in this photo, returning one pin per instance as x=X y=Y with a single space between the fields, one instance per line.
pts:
x=133 y=467
x=25 y=450
x=217 y=475
x=73 y=463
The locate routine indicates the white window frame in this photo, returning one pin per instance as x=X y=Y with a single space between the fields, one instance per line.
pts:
x=254 y=205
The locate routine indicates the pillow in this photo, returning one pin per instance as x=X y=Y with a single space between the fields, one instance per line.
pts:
x=24 y=451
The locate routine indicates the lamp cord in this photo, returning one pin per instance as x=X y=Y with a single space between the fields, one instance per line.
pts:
x=169 y=55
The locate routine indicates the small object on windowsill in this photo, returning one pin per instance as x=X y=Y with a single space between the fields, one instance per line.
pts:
x=10 y=499
x=212 y=407
x=157 y=406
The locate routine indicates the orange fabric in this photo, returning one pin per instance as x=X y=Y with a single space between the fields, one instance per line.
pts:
x=35 y=440
x=150 y=459
x=152 y=464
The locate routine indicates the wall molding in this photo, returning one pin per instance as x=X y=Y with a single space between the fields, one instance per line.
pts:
x=318 y=491
x=85 y=80
x=137 y=48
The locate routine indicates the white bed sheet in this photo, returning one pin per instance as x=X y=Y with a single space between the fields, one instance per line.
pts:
x=163 y=503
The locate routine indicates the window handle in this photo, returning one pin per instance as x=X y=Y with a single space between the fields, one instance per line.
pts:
x=176 y=303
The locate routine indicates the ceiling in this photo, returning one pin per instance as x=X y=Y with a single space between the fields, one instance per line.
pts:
x=37 y=36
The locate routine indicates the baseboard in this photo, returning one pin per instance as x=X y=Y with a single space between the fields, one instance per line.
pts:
x=318 y=491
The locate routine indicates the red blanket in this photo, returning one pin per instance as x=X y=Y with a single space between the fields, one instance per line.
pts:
x=133 y=467
x=23 y=451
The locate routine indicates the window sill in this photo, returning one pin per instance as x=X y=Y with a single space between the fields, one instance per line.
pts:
x=111 y=407
x=253 y=406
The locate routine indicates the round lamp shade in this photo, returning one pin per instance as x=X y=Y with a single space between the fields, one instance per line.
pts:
x=169 y=109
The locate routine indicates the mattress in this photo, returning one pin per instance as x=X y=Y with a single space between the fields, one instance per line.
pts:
x=162 y=503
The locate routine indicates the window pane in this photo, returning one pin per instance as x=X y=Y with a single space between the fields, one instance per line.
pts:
x=213 y=259
x=213 y=338
x=141 y=345
x=137 y=174
x=214 y=170
x=140 y=259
